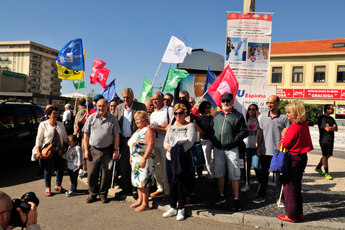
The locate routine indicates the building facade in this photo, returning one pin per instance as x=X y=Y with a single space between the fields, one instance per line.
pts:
x=312 y=71
x=34 y=60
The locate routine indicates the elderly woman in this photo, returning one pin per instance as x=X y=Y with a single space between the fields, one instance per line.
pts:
x=141 y=145
x=297 y=140
x=179 y=138
x=53 y=132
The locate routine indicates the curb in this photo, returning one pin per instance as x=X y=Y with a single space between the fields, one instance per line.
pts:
x=242 y=218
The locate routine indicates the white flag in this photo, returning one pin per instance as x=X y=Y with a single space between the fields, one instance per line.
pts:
x=176 y=51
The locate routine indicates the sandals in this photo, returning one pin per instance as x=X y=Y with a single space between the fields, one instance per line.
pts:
x=60 y=189
x=47 y=192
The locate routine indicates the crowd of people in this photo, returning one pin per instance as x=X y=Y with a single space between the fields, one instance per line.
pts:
x=149 y=144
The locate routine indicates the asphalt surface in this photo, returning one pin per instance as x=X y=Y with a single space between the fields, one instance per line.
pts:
x=324 y=200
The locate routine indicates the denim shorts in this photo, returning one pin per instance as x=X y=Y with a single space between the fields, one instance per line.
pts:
x=227 y=159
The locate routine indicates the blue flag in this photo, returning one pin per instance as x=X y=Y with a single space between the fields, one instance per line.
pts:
x=109 y=92
x=210 y=78
x=71 y=55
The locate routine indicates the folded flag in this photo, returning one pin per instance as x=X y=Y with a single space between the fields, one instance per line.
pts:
x=176 y=51
x=71 y=55
x=225 y=83
x=174 y=76
x=210 y=78
x=109 y=92
x=146 y=90
x=80 y=83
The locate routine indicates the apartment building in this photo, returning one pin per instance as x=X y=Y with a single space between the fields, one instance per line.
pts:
x=34 y=60
x=312 y=71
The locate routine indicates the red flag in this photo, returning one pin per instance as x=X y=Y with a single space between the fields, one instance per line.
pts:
x=226 y=82
x=97 y=65
x=102 y=76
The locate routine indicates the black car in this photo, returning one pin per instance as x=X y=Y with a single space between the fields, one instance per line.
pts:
x=18 y=127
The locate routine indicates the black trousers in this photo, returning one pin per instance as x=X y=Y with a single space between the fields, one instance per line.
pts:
x=124 y=168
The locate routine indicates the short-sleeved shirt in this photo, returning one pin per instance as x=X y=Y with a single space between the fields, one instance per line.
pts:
x=102 y=132
x=272 y=128
x=326 y=137
x=158 y=118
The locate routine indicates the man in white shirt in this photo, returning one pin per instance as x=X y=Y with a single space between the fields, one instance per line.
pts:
x=159 y=120
x=67 y=115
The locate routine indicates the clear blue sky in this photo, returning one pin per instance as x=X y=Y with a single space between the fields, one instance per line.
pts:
x=131 y=36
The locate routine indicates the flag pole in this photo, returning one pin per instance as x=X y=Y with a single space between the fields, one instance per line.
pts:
x=76 y=98
x=87 y=107
x=200 y=99
x=160 y=64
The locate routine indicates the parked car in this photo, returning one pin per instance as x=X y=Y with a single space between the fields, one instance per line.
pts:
x=18 y=127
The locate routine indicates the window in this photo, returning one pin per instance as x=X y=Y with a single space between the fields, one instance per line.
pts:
x=341 y=73
x=319 y=74
x=25 y=116
x=297 y=74
x=277 y=74
x=6 y=118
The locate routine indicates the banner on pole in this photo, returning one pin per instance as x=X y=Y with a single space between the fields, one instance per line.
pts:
x=146 y=90
x=174 y=76
x=81 y=84
x=176 y=51
x=248 y=45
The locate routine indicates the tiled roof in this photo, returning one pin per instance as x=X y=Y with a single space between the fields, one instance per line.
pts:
x=311 y=46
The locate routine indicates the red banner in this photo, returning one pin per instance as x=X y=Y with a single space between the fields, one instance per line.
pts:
x=97 y=65
x=312 y=93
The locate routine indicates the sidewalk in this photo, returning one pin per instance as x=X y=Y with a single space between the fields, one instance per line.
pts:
x=324 y=201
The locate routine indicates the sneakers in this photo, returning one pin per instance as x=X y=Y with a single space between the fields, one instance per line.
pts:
x=286 y=218
x=245 y=188
x=171 y=212
x=83 y=175
x=259 y=200
x=281 y=204
x=69 y=193
x=328 y=176
x=319 y=171
x=236 y=207
x=220 y=200
x=180 y=214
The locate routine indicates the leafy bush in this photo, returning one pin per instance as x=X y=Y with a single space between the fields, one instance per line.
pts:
x=312 y=111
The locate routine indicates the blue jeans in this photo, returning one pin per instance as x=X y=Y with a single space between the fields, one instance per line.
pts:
x=57 y=163
x=74 y=179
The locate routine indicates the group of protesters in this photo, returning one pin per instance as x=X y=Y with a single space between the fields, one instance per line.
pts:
x=150 y=141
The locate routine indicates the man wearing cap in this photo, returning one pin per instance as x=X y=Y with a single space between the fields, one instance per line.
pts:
x=229 y=131
x=101 y=139
x=125 y=114
x=94 y=109
x=271 y=126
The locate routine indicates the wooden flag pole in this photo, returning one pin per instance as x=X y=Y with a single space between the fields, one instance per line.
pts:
x=196 y=104
x=76 y=98
x=87 y=107
x=160 y=64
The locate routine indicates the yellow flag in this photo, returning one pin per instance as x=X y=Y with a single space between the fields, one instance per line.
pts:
x=67 y=74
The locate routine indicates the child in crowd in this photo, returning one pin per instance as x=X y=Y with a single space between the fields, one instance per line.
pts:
x=74 y=158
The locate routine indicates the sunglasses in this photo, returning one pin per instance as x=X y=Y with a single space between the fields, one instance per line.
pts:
x=182 y=98
x=226 y=100
x=165 y=99
x=208 y=107
x=251 y=109
x=178 y=113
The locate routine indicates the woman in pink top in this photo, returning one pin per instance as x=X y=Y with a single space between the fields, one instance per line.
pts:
x=297 y=140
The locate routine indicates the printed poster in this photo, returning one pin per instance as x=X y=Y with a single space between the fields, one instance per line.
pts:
x=248 y=44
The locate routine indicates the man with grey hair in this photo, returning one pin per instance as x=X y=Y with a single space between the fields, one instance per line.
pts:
x=125 y=114
x=159 y=120
x=101 y=140
x=29 y=219
x=67 y=115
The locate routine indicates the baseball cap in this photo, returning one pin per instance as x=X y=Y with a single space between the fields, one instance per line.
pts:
x=98 y=96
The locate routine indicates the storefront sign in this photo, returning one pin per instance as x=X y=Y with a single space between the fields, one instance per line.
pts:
x=312 y=93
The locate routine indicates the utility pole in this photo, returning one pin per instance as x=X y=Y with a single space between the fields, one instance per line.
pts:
x=248 y=6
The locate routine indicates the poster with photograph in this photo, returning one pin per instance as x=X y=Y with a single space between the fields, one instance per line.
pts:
x=248 y=43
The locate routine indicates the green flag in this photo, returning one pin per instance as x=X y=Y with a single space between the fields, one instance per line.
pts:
x=81 y=85
x=174 y=76
x=146 y=90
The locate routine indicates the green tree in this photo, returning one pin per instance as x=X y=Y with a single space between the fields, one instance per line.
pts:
x=312 y=111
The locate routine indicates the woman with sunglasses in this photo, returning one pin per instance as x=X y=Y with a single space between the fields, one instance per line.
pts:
x=179 y=137
x=250 y=141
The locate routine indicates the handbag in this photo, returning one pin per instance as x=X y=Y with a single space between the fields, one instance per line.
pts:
x=47 y=151
x=280 y=160
x=196 y=155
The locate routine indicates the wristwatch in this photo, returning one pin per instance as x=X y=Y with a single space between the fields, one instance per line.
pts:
x=116 y=149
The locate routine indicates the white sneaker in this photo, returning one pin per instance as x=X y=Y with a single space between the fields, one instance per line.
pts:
x=180 y=214
x=245 y=188
x=171 y=212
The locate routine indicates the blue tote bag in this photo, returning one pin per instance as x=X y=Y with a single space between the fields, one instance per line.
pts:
x=280 y=160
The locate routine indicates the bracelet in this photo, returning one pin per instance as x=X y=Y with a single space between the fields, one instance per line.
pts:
x=116 y=149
